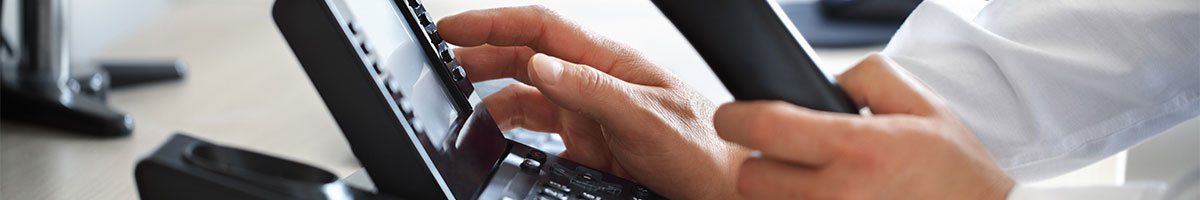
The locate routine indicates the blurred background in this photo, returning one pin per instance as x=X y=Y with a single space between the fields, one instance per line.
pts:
x=244 y=88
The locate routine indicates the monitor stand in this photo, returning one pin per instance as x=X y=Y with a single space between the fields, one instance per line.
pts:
x=36 y=81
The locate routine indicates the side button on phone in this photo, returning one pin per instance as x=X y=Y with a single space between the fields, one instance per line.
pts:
x=447 y=56
x=365 y=48
x=424 y=19
x=378 y=68
x=458 y=73
x=353 y=28
x=435 y=38
x=406 y=108
x=391 y=83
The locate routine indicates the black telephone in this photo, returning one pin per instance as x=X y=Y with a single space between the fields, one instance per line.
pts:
x=756 y=52
x=412 y=117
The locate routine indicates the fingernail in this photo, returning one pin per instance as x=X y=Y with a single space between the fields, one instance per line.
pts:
x=548 y=69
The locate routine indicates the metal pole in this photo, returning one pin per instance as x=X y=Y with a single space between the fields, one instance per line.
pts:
x=55 y=59
x=44 y=43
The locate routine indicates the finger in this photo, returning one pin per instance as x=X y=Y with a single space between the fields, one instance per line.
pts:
x=784 y=131
x=545 y=32
x=761 y=178
x=586 y=143
x=522 y=106
x=879 y=84
x=489 y=62
x=583 y=89
x=533 y=26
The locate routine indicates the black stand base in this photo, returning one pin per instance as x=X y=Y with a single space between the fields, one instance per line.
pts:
x=80 y=106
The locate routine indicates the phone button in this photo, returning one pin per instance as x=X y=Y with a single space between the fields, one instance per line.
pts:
x=406 y=108
x=458 y=74
x=354 y=29
x=531 y=166
x=424 y=19
x=435 y=37
x=558 y=186
x=392 y=84
x=378 y=68
x=447 y=56
x=365 y=48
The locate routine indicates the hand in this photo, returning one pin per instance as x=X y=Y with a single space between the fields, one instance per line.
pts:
x=912 y=148
x=615 y=110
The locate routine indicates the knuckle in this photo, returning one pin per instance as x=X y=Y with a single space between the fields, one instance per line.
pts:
x=540 y=9
x=857 y=138
x=595 y=86
x=544 y=12
x=867 y=148
x=592 y=85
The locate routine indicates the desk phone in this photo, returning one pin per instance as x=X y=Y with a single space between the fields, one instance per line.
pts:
x=412 y=117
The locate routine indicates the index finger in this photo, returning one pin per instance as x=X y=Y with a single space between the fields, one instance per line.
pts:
x=543 y=31
x=534 y=26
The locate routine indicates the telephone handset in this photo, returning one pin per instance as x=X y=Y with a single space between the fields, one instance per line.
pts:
x=755 y=51
x=412 y=117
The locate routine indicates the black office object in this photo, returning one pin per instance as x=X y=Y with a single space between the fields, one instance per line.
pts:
x=848 y=23
x=36 y=80
x=411 y=116
x=188 y=168
x=753 y=49
x=879 y=10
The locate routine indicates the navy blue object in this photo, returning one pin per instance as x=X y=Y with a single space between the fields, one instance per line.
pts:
x=823 y=31
x=848 y=23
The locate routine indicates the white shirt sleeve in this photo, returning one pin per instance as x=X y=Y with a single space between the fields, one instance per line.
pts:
x=1052 y=86
x=1136 y=191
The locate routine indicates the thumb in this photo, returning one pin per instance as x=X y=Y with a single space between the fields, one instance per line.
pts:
x=878 y=83
x=579 y=88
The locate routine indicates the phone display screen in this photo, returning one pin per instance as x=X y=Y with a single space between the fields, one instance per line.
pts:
x=463 y=160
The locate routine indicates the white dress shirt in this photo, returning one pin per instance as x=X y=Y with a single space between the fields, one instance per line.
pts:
x=1050 y=86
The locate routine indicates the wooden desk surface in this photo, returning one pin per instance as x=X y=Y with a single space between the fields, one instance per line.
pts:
x=245 y=89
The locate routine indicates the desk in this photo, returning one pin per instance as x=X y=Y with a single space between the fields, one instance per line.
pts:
x=244 y=88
